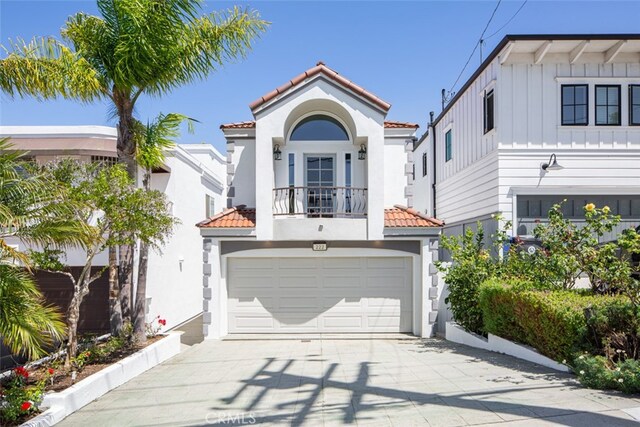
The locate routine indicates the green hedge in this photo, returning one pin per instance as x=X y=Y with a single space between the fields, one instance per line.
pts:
x=553 y=322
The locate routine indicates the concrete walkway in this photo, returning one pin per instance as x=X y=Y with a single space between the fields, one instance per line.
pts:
x=351 y=382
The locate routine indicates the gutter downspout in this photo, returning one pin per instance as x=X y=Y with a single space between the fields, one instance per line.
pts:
x=432 y=130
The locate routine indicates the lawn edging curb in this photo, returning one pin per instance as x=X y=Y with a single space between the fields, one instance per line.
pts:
x=455 y=333
x=62 y=404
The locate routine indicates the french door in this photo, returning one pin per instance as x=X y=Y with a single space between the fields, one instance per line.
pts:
x=320 y=177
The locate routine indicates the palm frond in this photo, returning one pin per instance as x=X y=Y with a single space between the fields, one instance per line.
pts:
x=45 y=69
x=157 y=136
x=27 y=326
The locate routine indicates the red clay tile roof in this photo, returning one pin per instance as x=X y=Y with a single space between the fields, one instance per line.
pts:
x=252 y=124
x=401 y=216
x=239 y=125
x=320 y=68
x=238 y=217
x=243 y=217
x=400 y=125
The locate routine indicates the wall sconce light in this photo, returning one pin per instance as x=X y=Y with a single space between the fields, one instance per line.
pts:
x=362 y=153
x=552 y=165
x=277 y=154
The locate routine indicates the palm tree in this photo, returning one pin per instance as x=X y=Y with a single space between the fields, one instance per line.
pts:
x=152 y=141
x=136 y=47
x=36 y=212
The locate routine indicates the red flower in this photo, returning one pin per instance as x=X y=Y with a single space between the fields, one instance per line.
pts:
x=25 y=406
x=20 y=371
x=50 y=371
x=163 y=322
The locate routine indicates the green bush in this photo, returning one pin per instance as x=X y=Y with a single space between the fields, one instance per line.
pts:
x=471 y=266
x=598 y=372
x=552 y=322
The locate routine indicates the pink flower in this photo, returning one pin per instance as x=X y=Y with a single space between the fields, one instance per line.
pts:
x=25 y=406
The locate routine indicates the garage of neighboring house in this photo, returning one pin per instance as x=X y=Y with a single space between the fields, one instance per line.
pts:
x=533 y=209
x=354 y=294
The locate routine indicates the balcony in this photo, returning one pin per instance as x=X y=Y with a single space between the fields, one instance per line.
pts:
x=320 y=202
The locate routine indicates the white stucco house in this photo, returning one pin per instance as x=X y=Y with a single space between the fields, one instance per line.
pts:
x=535 y=100
x=316 y=237
x=193 y=181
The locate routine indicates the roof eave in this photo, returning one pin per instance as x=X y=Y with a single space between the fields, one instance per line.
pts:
x=411 y=231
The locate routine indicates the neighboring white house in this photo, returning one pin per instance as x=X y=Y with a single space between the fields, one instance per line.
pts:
x=536 y=99
x=316 y=236
x=193 y=181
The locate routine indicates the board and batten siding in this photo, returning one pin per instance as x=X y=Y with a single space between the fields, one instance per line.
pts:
x=465 y=119
x=596 y=159
x=466 y=186
x=529 y=101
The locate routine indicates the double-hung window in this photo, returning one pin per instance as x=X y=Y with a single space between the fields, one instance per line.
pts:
x=488 y=111
x=608 y=105
x=575 y=105
x=634 y=105
x=448 y=154
x=424 y=164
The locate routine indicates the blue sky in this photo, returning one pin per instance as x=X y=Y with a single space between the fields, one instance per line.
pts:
x=404 y=52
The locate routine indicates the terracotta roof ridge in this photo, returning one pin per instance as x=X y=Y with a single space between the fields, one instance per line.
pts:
x=320 y=67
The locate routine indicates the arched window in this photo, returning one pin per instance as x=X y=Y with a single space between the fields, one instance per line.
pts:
x=319 y=128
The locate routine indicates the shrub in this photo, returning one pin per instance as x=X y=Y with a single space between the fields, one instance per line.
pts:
x=471 y=266
x=573 y=250
x=598 y=372
x=553 y=322
x=614 y=329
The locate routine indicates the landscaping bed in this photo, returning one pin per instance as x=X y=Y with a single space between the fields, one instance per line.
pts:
x=26 y=390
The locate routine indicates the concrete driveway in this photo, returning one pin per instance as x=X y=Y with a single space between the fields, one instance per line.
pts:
x=351 y=382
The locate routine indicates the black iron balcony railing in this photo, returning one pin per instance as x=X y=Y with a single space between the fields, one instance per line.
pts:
x=325 y=202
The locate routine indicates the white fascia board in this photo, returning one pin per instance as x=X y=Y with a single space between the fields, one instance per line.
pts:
x=411 y=231
x=574 y=190
x=204 y=149
x=58 y=131
x=569 y=151
x=246 y=133
x=228 y=232
x=181 y=154
x=406 y=133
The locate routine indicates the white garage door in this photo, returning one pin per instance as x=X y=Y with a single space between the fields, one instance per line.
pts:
x=281 y=295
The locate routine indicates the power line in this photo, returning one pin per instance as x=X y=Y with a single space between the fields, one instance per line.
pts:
x=476 y=46
x=510 y=19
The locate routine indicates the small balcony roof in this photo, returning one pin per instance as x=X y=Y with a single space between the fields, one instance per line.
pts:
x=396 y=217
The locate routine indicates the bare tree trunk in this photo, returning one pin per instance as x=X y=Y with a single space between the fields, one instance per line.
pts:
x=73 y=316
x=115 y=310
x=125 y=280
x=139 y=325
x=126 y=153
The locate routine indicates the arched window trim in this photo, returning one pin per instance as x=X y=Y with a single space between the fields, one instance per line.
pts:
x=320 y=113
